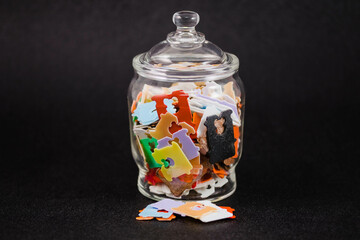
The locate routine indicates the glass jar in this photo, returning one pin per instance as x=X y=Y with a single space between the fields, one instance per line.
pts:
x=186 y=108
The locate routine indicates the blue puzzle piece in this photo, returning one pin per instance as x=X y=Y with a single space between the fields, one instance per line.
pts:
x=146 y=112
x=153 y=212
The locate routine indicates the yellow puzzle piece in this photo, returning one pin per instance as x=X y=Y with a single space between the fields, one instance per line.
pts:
x=178 y=163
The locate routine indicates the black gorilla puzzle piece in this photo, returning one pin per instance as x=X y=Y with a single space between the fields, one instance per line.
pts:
x=221 y=146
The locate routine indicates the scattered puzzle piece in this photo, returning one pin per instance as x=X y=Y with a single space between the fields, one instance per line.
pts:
x=166 y=219
x=205 y=211
x=199 y=211
x=154 y=212
x=166 y=204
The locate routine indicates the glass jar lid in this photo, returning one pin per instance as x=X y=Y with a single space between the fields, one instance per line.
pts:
x=185 y=55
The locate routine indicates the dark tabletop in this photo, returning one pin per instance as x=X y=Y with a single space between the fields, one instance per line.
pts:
x=66 y=168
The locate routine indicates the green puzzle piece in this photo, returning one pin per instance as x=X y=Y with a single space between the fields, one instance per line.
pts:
x=147 y=151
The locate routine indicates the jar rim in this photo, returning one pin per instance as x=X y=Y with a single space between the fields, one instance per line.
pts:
x=215 y=72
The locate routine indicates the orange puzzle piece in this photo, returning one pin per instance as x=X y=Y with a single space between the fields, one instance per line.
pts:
x=236 y=144
x=166 y=219
x=162 y=128
x=144 y=218
x=189 y=209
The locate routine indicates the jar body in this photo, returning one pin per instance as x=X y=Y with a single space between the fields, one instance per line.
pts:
x=186 y=137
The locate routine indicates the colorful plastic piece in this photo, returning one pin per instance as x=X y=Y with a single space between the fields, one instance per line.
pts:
x=191 y=151
x=151 y=177
x=164 y=142
x=202 y=210
x=154 y=212
x=146 y=112
x=184 y=125
x=219 y=214
x=183 y=114
x=187 y=145
x=144 y=218
x=181 y=163
x=219 y=171
x=206 y=191
x=166 y=204
x=221 y=146
x=196 y=120
x=209 y=111
x=177 y=186
x=166 y=219
x=162 y=128
x=236 y=144
x=230 y=210
x=146 y=144
x=195 y=162
x=199 y=211
x=134 y=103
x=215 y=101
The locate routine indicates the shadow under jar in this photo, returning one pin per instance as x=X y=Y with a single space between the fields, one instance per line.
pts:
x=186 y=108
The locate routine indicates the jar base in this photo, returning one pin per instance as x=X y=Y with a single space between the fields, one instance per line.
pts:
x=218 y=194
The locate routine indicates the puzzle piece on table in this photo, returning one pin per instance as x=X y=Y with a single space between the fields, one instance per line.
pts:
x=144 y=218
x=194 y=209
x=154 y=212
x=219 y=214
x=221 y=146
x=230 y=210
x=167 y=204
x=166 y=219
x=181 y=164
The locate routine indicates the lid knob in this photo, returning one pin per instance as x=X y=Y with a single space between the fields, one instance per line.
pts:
x=185 y=36
x=186 y=19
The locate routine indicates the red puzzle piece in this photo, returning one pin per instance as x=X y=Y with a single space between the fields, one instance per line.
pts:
x=183 y=114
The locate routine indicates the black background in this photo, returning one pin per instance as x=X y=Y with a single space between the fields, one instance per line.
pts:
x=66 y=168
